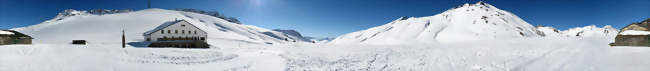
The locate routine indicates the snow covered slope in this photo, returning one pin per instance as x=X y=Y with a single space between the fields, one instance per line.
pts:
x=592 y=30
x=587 y=31
x=548 y=31
x=480 y=21
x=106 y=28
x=606 y=32
x=469 y=22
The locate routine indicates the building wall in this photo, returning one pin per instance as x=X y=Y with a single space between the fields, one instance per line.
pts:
x=25 y=41
x=632 y=40
x=171 y=31
x=187 y=44
x=9 y=39
x=4 y=40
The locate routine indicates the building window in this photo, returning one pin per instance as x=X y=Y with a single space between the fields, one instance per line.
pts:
x=169 y=31
x=176 y=31
x=202 y=38
x=162 y=32
x=148 y=39
x=183 y=31
x=183 y=25
x=194 y=31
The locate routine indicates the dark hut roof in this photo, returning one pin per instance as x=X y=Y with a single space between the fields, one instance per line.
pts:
x=18 y=34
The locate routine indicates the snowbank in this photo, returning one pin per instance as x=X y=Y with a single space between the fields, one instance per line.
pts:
x=6 y=32
x=530 y=54
x=634 y=32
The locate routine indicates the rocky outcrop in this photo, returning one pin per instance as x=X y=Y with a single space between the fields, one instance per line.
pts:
x=641 y=26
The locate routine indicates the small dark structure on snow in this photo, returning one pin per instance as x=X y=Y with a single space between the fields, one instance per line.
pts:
x=79 y=42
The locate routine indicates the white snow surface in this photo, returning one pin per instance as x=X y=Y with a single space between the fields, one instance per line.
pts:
x=518 y=54
x=635 y=32
x=589 y=31
x=6 y=32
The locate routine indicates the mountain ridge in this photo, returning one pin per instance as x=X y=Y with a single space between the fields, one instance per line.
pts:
x=467 y=22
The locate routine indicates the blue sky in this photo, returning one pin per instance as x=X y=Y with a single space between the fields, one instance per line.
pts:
x=331 y=18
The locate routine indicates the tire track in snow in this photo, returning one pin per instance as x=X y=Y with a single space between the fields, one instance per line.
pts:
x=535 y=59
x=177 y=57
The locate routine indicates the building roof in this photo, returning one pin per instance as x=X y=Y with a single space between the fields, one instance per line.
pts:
x=635 y=32
x=2 y=32
x=167 y=24
x=15 y=34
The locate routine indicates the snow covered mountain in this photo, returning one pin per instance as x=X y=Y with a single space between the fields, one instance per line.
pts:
x=106 y=27
x=468 y=22
x=479 y=21
x=319 y=39
x=587 y=31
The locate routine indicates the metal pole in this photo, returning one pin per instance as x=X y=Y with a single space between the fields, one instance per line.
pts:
x=123 y=40
x=123 y=37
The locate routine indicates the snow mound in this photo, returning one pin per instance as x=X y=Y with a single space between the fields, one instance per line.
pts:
x=6 y=33
x=468 y=22
x=107 y=28
x=634 y=32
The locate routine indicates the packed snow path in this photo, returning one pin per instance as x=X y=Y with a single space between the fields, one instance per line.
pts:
x=531 y=54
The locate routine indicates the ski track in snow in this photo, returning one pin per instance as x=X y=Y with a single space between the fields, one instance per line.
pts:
x=533 y=54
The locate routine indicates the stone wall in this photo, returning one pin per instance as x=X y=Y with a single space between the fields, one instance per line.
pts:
x=632 y=40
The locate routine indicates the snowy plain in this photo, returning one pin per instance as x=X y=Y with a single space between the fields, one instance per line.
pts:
x=511 y=46
x=529 y=54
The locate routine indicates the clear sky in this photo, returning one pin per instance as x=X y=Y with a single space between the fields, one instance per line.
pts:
x=331 y=18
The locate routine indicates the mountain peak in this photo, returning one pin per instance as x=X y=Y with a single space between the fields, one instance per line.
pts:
x=467 y=22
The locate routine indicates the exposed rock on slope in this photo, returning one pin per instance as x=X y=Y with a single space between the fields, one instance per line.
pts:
x=468 y=22
x=641 y=26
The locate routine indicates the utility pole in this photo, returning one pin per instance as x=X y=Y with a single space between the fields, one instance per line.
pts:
x=123 y=37
x=148 y=3
x=123 y=40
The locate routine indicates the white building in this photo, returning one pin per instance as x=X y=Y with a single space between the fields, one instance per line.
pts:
x=179 y=33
